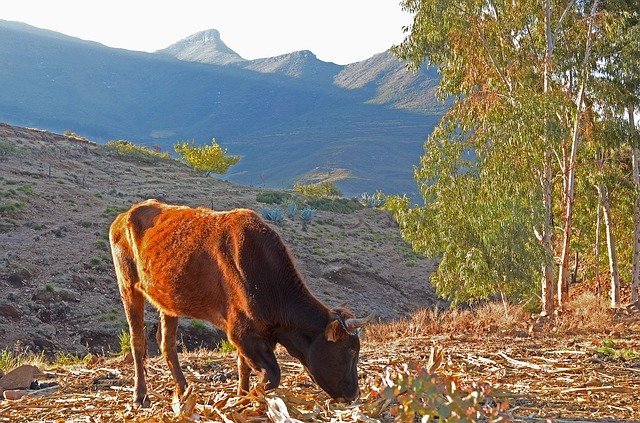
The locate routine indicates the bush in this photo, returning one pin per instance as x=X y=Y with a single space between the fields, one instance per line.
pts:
x=129 y=149
x=274 y=215
x=418 y=391
x=207 y=158
x=318 y=190
x=292 y=209
x=336 y=205
x=273 y=197
x=7 y=148
x=374 y=200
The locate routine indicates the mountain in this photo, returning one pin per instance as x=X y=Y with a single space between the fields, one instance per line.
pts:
x=203 y=47
x=288 y=116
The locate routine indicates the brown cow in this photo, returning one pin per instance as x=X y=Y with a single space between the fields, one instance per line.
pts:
x=233 y=270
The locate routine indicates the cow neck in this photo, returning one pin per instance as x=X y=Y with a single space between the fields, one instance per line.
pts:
x=303 y=322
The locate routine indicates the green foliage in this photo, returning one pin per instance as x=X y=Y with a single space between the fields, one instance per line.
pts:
x=273 y=197
x=66 y=359
x=336 y=205
x=275 y=215
x=198 y=325
x=419 y=392
x=609 y=348
x=112 y=211
x=307 y=214
x=7 y=148
x=225 y=346
x=124 y=339
x=292 y=210
x=10 y=359
x=139 y=152
x=318 y=190
x=206 y=158
x=374 y=200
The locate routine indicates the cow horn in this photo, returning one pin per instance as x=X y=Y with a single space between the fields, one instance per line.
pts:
x=353 y=324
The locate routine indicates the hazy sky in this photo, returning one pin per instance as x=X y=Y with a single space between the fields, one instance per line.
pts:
x=340 y=31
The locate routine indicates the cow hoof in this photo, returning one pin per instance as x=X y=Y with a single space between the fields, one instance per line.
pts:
x=142 y=402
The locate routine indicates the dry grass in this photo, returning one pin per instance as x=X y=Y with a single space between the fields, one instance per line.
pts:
x=585 y=314
x=487 y=318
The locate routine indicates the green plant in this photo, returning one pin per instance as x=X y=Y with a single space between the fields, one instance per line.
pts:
x=374 y=200
x=336 y=205
x=609 y=348
x=66 y=359
x=128 y=149
x=26 y=189
x=273 y=197
x=225 y=346
x=318 y=190
x=10 y=359
x=207 y=158
x=198 y=325
x=416 y=390
x=124 y=339
x=292 y=209
x=274 y=215
x=7 y=148
x=112 y=211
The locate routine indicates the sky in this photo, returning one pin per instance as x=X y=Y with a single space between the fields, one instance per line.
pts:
x=339 y=31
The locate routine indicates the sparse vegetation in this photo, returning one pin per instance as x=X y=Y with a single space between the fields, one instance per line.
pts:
x=124 y=340
x=206 y=158
x=139 y=152
x=112 y=211
x=225 y=346
x=198 y=325
x=66 y=359
x=275 y=215
x=10 y=359
x=318 y=190
x=273 y=197
x=7 y=148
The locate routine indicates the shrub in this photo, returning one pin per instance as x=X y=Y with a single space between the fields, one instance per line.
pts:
x=292 y=209
x=336 y=205
x=318 y=190
x=274 y=215
x=273 y=197
x=374 y=200
x=198 y=325
x=124 y=339
x=225 y=346
x=418 y=391
x=306 y=215
x=7 y=148
x=207 y=158
x=128 y=149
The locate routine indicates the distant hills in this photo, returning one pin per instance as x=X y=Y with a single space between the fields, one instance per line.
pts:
x=287 y=116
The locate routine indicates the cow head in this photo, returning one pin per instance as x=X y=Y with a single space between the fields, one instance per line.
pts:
x=332 y=359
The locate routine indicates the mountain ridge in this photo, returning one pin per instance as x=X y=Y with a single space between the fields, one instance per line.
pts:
x=282 y=126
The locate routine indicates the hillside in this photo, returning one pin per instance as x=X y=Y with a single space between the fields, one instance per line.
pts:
x=58 y=196
x=285 y=116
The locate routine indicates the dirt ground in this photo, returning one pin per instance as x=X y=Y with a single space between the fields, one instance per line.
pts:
x=539 y=377
x=58 y=196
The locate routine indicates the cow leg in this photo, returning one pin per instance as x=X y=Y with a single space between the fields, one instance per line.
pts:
x=166 y=336
x=244 y=371
x=258 y=355
x=133 y=303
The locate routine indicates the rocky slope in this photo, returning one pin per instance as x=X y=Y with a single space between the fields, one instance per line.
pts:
x=58 y=196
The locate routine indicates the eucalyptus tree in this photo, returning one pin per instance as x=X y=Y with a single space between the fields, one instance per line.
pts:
x=519 y=74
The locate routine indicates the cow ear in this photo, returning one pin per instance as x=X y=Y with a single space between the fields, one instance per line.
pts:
x=334 y=331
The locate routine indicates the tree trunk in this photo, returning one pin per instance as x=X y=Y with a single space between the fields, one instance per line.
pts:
x=569 y=186
x=635 y=272
x=597 y=247
x=547 y=182
x=611 y=246
x=547 y=267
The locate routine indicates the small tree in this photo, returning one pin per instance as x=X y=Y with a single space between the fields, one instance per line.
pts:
x=206 y=158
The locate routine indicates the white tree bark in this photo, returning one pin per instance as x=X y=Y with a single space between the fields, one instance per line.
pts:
x=635 y=271
x=569 y=186
x=611 y=246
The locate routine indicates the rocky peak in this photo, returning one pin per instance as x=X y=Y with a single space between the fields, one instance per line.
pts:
x=204 y=47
